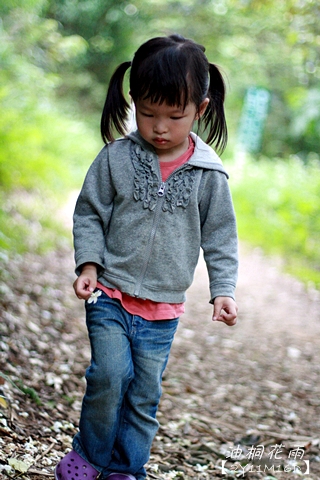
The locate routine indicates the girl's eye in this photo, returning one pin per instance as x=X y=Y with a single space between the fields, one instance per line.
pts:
x=146 y=114
x=176 y=118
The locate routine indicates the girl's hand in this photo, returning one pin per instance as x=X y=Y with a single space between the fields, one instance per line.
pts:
x=86 y=282
x=225 y=310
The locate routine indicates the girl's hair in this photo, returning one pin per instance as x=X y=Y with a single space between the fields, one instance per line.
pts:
x=174 y=70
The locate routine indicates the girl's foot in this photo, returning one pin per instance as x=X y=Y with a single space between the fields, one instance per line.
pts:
x=120 y=476
x=73 y=467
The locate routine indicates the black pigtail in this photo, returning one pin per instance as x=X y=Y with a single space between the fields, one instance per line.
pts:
x=116 y=107
x=214 y=116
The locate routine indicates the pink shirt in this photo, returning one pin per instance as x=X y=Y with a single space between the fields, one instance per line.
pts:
x=148 y=309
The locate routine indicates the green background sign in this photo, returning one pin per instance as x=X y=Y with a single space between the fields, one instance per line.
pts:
x=254 y=114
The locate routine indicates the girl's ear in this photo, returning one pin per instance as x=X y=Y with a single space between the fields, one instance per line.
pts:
x=202 y=108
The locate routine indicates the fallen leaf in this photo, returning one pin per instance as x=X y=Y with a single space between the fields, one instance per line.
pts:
x=3 y=402
x=18 y=465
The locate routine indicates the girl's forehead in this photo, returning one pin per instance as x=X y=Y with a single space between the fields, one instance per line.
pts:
x=163 y=106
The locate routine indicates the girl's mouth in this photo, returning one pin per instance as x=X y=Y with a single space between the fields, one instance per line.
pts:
x=160 y=140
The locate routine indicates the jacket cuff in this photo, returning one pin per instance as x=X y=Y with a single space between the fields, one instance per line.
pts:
x=82 y=259
x=223 y=290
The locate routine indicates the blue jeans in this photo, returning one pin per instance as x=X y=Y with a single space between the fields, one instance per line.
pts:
x=118 y=417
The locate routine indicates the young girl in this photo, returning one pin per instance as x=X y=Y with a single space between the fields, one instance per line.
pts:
x=150 y=200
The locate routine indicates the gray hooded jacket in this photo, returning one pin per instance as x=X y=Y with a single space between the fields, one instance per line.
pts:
x=144 y=234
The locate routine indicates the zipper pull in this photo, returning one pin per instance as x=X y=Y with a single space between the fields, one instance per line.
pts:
x=161 y=189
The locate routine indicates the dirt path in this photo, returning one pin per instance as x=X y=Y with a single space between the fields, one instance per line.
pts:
x=228 y=393
x=260 y=378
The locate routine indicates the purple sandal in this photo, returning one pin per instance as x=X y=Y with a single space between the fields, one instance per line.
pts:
x=73 y=467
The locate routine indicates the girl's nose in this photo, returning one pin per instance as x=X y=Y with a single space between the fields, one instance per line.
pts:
x=159 y=127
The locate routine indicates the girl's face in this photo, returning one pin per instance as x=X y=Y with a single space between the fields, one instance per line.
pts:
x=167 y=127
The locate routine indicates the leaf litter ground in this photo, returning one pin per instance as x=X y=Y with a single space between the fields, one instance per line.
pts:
x=240 y=402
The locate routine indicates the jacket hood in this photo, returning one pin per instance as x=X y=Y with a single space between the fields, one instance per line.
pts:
x=203 y=157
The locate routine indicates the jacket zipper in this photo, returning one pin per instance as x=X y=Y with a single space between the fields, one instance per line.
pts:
x=161 y=192
x=148 y=251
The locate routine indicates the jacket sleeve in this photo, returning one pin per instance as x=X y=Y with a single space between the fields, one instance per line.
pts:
x=92 y=213
x=219 y=235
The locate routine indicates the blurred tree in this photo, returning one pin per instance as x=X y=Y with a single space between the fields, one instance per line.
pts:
x=41 y=148
x=304 y=98
x=108 y=28
x=31 y=50
x=264 y=43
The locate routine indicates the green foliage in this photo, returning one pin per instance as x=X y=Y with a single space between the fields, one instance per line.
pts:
x=29 y=222
x=28 y=5
x=277 y=206
x=44 y=156
x=108 y=28
x=39 y=143
x=42 y=149
x=270 y=44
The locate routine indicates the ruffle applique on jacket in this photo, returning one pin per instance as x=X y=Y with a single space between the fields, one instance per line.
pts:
x=179 y=189
x=146 y=183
